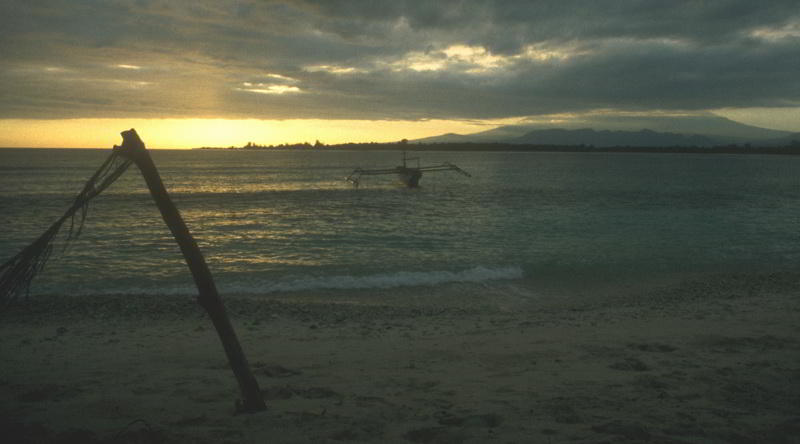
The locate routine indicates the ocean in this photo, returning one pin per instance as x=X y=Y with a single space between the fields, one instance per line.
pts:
x=286 y=222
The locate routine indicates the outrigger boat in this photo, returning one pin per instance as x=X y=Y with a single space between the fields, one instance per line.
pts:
x=408 y=175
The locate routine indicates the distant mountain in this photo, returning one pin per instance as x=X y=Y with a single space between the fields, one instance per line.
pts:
x=614 y=130
x=792 y=139
x=500 y=134
x=606 y=138
x=448 y=138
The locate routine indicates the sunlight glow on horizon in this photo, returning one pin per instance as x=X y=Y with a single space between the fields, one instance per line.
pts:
x=195 y=133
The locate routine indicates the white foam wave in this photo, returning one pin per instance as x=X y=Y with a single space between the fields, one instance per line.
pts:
x=341 y=282
x=397 y=279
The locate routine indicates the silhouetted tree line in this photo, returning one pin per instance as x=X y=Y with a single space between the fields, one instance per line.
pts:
x=793 y=148
x=292 y=146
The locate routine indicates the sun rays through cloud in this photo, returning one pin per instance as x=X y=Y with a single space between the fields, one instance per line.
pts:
x=396 y=62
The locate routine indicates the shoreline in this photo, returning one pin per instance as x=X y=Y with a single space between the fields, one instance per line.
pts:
x=711 y=359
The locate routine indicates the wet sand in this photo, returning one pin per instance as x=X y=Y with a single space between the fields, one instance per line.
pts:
x=715 y=359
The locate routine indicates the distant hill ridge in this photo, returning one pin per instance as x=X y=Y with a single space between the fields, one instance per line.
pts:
x=643 y=131
x=607 y=138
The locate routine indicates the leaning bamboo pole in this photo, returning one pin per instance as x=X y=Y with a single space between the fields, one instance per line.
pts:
x=133 y=148
x=17 y=273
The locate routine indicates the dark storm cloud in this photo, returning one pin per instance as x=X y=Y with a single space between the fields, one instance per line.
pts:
x=392 y=59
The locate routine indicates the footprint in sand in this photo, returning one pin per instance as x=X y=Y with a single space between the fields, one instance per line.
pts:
x=436 y=435
x=452 y=428
x=653 y=347
x=48 y=392
x=630 y=431
x=277 y=371
x=630 y=365
x=286 y=392
x=490 y=420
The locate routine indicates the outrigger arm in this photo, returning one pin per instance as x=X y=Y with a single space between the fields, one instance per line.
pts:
x=408 y=175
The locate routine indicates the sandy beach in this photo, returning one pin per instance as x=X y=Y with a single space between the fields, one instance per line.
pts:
x=710 y=359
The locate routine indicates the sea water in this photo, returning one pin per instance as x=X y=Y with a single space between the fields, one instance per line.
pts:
x=286 y=221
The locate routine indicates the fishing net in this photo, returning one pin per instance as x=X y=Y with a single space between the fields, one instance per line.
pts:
x=17 y=273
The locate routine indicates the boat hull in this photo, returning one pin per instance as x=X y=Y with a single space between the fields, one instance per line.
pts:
x=409 y=176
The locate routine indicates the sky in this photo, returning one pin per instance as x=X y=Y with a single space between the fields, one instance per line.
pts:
x=189 y=73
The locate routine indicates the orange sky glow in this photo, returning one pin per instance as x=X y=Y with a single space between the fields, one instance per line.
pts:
x=193 y=133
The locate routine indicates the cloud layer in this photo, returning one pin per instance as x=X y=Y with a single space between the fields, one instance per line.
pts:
x=393 y=59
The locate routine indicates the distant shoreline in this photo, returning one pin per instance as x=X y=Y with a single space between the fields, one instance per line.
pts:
x=790 y=150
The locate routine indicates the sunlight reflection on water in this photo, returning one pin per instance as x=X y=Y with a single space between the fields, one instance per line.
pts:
x=278 y=219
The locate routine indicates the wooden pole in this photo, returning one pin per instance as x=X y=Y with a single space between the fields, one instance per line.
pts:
x=133 y=148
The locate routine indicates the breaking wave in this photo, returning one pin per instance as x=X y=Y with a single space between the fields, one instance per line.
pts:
x=397 y=279
x=258 y=286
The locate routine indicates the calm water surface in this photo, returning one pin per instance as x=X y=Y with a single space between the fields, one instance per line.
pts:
x=286 y=222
